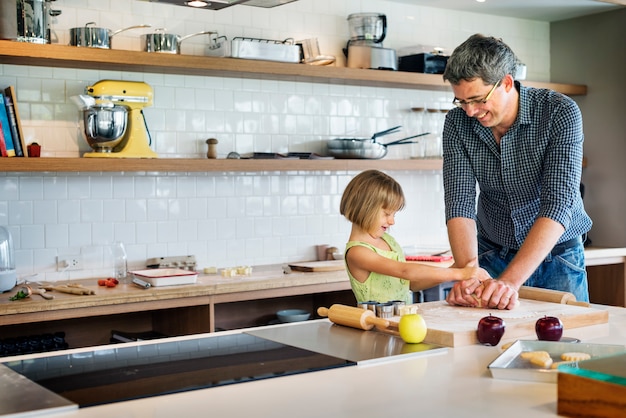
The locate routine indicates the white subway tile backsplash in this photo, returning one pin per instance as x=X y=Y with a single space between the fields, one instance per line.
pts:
x=227 y=219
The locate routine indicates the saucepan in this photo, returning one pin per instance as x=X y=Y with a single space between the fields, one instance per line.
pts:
x=94 y=37
x=366 y=148
x=168 y=43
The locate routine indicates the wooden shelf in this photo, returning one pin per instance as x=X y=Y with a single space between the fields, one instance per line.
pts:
x=189 y=165
x=54 y=55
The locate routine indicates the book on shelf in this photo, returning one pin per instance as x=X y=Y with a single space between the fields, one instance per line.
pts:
x=6 y=128
x=3 y=145
x=19 y=142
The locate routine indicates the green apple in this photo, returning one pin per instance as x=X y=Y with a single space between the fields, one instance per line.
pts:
x=412 y=328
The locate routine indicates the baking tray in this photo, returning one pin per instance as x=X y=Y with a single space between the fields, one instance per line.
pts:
x=263 y=49
x=509 y=365
x=166 y=277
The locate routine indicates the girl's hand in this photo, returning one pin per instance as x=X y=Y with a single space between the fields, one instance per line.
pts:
x=463 y=293
x=473 y=277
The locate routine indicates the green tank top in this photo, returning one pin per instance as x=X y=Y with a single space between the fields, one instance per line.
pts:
x=379 y=287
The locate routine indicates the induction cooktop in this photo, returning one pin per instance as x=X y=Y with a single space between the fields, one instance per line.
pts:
x=119 y=373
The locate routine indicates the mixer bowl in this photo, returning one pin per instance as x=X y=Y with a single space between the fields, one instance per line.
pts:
x=104 y=126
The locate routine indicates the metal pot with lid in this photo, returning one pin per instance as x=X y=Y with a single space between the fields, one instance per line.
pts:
x=26 y=20
x=95 y=37
x=168 y=43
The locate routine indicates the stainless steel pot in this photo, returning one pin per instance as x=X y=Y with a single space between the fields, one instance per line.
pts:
x=167 y=43
x=364 y=148
x=26 y=20
x=94 y=37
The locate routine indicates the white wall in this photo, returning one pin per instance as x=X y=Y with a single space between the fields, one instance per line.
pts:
x=227 y=219
x=599 y=45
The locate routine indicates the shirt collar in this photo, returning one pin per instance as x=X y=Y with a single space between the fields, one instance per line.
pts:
x=524 y=111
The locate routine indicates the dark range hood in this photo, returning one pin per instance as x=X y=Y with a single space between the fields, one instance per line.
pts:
x=221 y=4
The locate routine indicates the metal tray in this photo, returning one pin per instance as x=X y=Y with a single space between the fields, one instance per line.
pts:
x=509 y=365
x=261 y=49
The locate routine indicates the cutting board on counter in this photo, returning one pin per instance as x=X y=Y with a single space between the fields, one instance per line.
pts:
x=454 y=326
x=318 y=266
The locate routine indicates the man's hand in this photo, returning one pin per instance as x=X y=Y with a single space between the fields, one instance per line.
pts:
x=497 y=294
x=494 y=294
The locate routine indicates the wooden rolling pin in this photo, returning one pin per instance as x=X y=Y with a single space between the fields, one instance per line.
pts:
x=548 y=295
x=73 y=290
x=352 y=317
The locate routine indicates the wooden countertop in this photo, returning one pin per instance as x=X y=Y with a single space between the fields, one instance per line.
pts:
x=130 y=298
x=265 y=281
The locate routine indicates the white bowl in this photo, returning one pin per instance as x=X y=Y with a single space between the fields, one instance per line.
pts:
x=338 y=256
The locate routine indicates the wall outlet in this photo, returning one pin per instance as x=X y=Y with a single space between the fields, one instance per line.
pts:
x=69 y=262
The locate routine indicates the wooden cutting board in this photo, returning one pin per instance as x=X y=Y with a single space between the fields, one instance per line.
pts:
x=454 y=326
x=318 y=266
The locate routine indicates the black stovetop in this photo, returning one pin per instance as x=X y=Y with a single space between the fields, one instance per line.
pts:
x=93 y=379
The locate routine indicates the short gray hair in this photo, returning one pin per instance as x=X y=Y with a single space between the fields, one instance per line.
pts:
x=480 y=56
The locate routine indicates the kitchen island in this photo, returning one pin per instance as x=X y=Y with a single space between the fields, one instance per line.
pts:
x=455 y=382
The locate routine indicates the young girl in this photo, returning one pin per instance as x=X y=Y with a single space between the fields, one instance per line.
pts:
x=375 y=262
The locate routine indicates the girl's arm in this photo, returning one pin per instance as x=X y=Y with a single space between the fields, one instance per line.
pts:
x=362 y=261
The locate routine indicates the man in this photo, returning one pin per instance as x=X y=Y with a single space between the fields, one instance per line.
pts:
x=523 y=147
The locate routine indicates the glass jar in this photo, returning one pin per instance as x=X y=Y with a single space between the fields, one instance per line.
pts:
x=8 y=275
x=416 y=126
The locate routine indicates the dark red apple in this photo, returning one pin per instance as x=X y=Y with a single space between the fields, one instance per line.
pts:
x=549 y=328
x=490 y=330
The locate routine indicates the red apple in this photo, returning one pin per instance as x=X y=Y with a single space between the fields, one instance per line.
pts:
x=490 y=330
x=549 y=328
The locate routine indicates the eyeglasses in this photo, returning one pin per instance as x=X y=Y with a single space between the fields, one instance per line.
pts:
x=461 y=103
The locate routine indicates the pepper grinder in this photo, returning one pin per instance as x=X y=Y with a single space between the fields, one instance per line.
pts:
x=212 y=152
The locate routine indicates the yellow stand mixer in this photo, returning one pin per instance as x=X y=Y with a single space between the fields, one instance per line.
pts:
x=114 y=126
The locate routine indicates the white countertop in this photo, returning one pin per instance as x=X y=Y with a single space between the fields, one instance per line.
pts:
x=454 y=383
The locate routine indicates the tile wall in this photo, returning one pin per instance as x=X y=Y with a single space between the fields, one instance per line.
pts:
x=227 y=219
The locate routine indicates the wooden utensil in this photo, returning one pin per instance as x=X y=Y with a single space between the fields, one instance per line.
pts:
x=352 y=317
x=73 y=290
x=42 y=293
x=548 y=295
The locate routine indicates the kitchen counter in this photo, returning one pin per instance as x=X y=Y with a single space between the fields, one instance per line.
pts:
x=213 y=288
x=221 y=303
x=455 y=382
x=213 y=303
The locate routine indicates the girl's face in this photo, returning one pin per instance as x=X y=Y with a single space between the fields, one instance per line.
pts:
x=386 y=218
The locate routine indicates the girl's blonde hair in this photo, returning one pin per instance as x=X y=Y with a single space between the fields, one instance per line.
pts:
x=366 y=194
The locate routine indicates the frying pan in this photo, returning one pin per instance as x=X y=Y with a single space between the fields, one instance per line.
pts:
x=366 y=148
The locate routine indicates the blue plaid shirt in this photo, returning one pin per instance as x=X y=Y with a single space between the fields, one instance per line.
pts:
x=535 y=172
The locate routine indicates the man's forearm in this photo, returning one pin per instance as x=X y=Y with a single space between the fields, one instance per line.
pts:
x=540 y=240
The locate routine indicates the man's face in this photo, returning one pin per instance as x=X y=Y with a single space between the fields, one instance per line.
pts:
x=480 y=101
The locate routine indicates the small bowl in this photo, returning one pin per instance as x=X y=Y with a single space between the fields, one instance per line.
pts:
x=338 y=256
x=293 y=315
